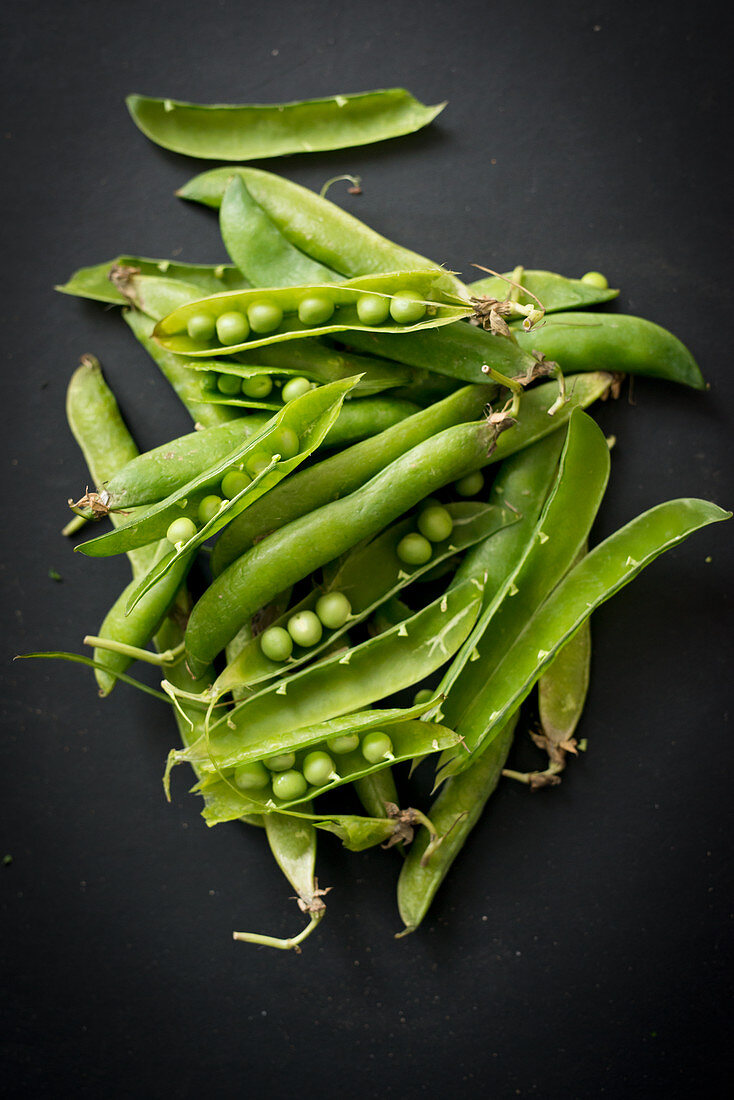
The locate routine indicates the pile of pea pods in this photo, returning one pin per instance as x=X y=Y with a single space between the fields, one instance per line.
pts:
x=390 y=483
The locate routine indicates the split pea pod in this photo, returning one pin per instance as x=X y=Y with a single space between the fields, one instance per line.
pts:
x=555 y=292
x=94 y=282
x=227 y=131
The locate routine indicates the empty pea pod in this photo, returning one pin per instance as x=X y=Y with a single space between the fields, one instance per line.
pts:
x=555 y=292
x=225 y=131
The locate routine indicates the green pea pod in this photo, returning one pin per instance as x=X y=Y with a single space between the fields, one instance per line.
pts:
x=188 y=386
x=604 y=570
x=293 y=843
x=554 y=292
x=454 y=814
x=94 y=282
x=368 y=577
x=615 y=342
x=317 y=227
x=316 y=361
x=375 y=792
x=226 y=131
x=562 y=690
x=259 y=249
x=440 y=309
x=309 y=416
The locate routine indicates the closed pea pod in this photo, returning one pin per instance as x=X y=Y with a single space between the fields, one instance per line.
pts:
x=94 y=282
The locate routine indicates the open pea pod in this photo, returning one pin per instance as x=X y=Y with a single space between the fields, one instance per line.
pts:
x=309 y=416
x=411 y=740
x=94 y=282
x=433 y=307
x=368 y=576
x=605 y=569
x=554 y=292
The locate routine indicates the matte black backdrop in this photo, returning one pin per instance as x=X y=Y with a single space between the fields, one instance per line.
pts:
x=579 y=947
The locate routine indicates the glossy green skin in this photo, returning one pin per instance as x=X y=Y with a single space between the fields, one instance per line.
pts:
x=94 y=282
x=601 y=573
x=318 y=537
x=317 y=227
x=554 y=291
x=563 y=687
x=454 y=814
x=615 y=342
x=373 y=791
x=293 y=844
x=253 y=131
x=319 y=362
x=341 y=474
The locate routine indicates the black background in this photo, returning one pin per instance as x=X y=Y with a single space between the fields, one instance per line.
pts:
x=580 y=946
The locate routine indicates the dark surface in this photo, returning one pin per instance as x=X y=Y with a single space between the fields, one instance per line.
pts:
x=580 y=946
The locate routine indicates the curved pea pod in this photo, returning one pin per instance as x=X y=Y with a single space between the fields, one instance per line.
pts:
x=615 y=342
x=368 y=577
x=94 y=282
x=604 y=570
x=309 y=416
x=554 y=292
x=259 y=249
x=227 y=131
x=562 y=692
x=454 y=814
x=441 y=308
x=317 y=227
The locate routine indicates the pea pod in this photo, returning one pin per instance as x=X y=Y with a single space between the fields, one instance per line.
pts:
x=94 y=282
x=309 y=417
x=555 y=292
x=345 y=299
x=454 y=814
x=604 y=570
x=375 y=792
x=225 y=131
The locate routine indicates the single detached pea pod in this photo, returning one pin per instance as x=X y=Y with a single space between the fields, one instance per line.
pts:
x=317 y=227
x=402 y=301
x=303 y=422
x=615 y=342
x=94 y=282
x=225 y=131
x=604 y=570
x=554 y=292
x=259 y=249
x=454 y=814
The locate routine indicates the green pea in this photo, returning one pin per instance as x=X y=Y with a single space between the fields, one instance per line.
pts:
x=181 y=530
x=233 y=482
x=315 y=310
x=405 y=308
x=208 y=508
x=251 y=777
x=201 y=326
x=289 y=785
x=264 y=316
x=305 y=628
x=422 y=696
x=414 y=549
x=276 y=643
x=376 y=746
x=296 y=387
x=256 y=463
x=232 y=328
x=259 y=386
x=285 y=442
x=470 y=485
x=318 y=768
x=373 y=309
x=595 y=278
x=344 y=742
x=280 y=763
x=333 y=608
x=435 y=523
x=228 y=384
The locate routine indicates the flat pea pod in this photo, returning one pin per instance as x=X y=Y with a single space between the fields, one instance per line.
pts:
x=454 y=814
x=293 y=843
x=342 y=473
x=440 y=309
x=602 y=572
x=258 y=248
x=562 y=690
x=188 y=386
x=555 y=292
x=225 y=131
x=615 y=342
x=94 y=282
x=309 y=542
x=309 y=417
x=315 y=226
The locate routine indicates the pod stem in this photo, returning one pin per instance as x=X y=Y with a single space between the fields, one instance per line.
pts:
x=167 y=657
x=536 y=780
x=74 y=525
x=291 y=944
